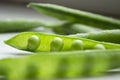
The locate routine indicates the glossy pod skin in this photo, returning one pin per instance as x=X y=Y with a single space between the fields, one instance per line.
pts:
x=112 y=36
x=50 y=65
x=76 y=16
x=20 y=41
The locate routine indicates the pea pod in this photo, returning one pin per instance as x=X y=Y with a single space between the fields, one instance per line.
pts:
x=105 y=35
x=20 y=41
x=6 y=68
x=48 y=65
x=71 y=28
x=76 y=16
x=16 y=25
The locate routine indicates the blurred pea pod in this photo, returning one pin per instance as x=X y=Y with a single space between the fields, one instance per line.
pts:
x=104 y=36
x=19 y=25
x=72 y=28
x=53 y=65
x=16 y=25
x=76 y=16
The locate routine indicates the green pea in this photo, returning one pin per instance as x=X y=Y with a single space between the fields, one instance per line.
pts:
x=33 y=43
x=77 y=45
x=99 y=46
x=56 y=44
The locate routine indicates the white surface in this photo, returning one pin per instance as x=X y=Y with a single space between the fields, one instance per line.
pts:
x=7 y=51
x=10 y=11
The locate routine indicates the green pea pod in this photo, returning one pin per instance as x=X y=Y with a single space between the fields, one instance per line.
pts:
x=71 y=28
x=70 y=64
x=76 y=16
x=16 y=67
x=47 y=41
x=22 y=25
x=105 y=35
x=18 y=25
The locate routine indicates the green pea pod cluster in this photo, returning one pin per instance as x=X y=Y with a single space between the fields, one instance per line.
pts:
x=70 y=64
x=59 y=56
x=19 y=25
x=77 y=21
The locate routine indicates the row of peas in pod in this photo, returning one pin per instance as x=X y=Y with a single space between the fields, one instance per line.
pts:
x=39 y=42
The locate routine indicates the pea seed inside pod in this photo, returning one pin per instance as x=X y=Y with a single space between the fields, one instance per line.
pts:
x=33 y=43
x=56 y=44
x=77 y=45
x=99 y=46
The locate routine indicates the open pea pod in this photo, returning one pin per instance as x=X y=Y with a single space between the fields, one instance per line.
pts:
x=70 y=64
x=34 y=41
